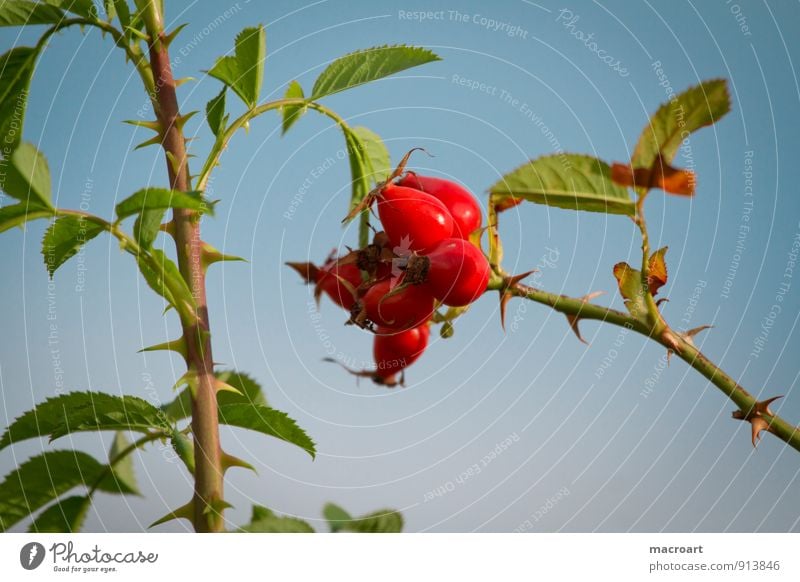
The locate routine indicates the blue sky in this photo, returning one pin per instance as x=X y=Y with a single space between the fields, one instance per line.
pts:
x=605 y=437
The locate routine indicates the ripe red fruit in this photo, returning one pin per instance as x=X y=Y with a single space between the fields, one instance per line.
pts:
x=413 y=220
x=412 y=306
x=458 y=200
x=329 y=280
x=458 y=272
x=395 y=351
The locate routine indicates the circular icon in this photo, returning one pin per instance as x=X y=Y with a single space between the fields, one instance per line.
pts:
x=31 y=555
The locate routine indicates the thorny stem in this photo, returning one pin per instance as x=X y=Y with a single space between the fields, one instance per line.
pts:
x=208 y=498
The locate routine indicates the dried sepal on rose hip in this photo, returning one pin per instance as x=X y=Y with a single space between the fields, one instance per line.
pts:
x=338 y=281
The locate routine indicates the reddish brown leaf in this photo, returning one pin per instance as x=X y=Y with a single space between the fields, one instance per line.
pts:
x=657 y=271
x=661 y=176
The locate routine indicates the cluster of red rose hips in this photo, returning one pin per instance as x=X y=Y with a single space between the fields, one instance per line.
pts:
x=421 y=259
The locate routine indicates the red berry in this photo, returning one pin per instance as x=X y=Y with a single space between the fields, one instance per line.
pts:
x=413 y=220
x=329 y=279
x=412 y=306
x=458 y=272
x=458 y=200
x=395 y=351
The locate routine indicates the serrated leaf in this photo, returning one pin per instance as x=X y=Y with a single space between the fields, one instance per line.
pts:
x=382 y=521
x=161 y=198
x=25 y=13
x=16 y=71
x=18 y=214
x=43 y=478
x=244 y=70
x=81 y=412
x=693 y=109
x=369 y=65
x=374 y=153
x=64 y=238
x=156 y=281
x=336 y=516
x=275 y=524
x=267 y=421
x=571 y=181
x=292 y=113
x=124 y=473
x=146 y=227
x=631 y=289
x=251 y=393
x=65 y=516
x=83 y=8
x=27 y=177
x=215 y=113
x=122 y=12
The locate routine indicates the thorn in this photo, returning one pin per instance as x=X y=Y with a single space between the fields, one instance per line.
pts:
x=510 y=283
x=225 y=387
x=229 y=461
x=178 y=346
x=210 y=255
x=152 y=141
x=216 y=506
x=693 y=332
x=153 y=125
x=181 y=120
x=189 y=379
x=168 y=38
x=574 y=319
x=168 y=227
x=756 y=417
x=183 y=512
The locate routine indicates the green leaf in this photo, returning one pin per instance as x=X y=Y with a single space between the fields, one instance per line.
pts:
x=267 y=421
x=251 y=393
x=146 y=227
x=16 y=71
x=81 y=412
x=292 y=113
x=374 y=153
x=124 y=473
x=336 y=516
x=121 y=10
x=571 y=181
x=369 y=65
x=215 y=113
x=64 y=238
x=156 y=281
x=382 y=521
x=83 y=8
x=631 y=288
x=28 y=177
x=265 y=521
x=43 y=478
x=161 y=198
x=65 y=516
x=25 y=13
x=244 y=71
x=18 y=214
x=693 y=109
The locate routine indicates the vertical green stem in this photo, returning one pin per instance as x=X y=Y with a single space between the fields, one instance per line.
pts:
x=208 y=493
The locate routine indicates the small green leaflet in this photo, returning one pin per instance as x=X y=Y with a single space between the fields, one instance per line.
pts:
x=292 y=113
x=16 y=70
x=84 y=411
x=571 y=181
x=265 y=521
x=147 y=225
x=267 y=421
x=65 y=516
x=162 y=198
x=368 y=65
x=28 y=177
x=382 y=521
x=693 y=109
x=374 y=153
x=26 y=13
x=124 y=473
x=337 y=517
x=43 y=478
x=18 y=214
x=215 y=113
x=244 y=70
x=64 y=238
x=156 y=280
x=85 y=8
x=631 y=288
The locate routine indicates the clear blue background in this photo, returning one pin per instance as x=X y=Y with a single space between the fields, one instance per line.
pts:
x=673 y=460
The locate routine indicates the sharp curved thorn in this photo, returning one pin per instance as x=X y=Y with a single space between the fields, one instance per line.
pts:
x=755 y=416
x=356 y=373
x=185 y=511
x=505 y=297
x=573 y=320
